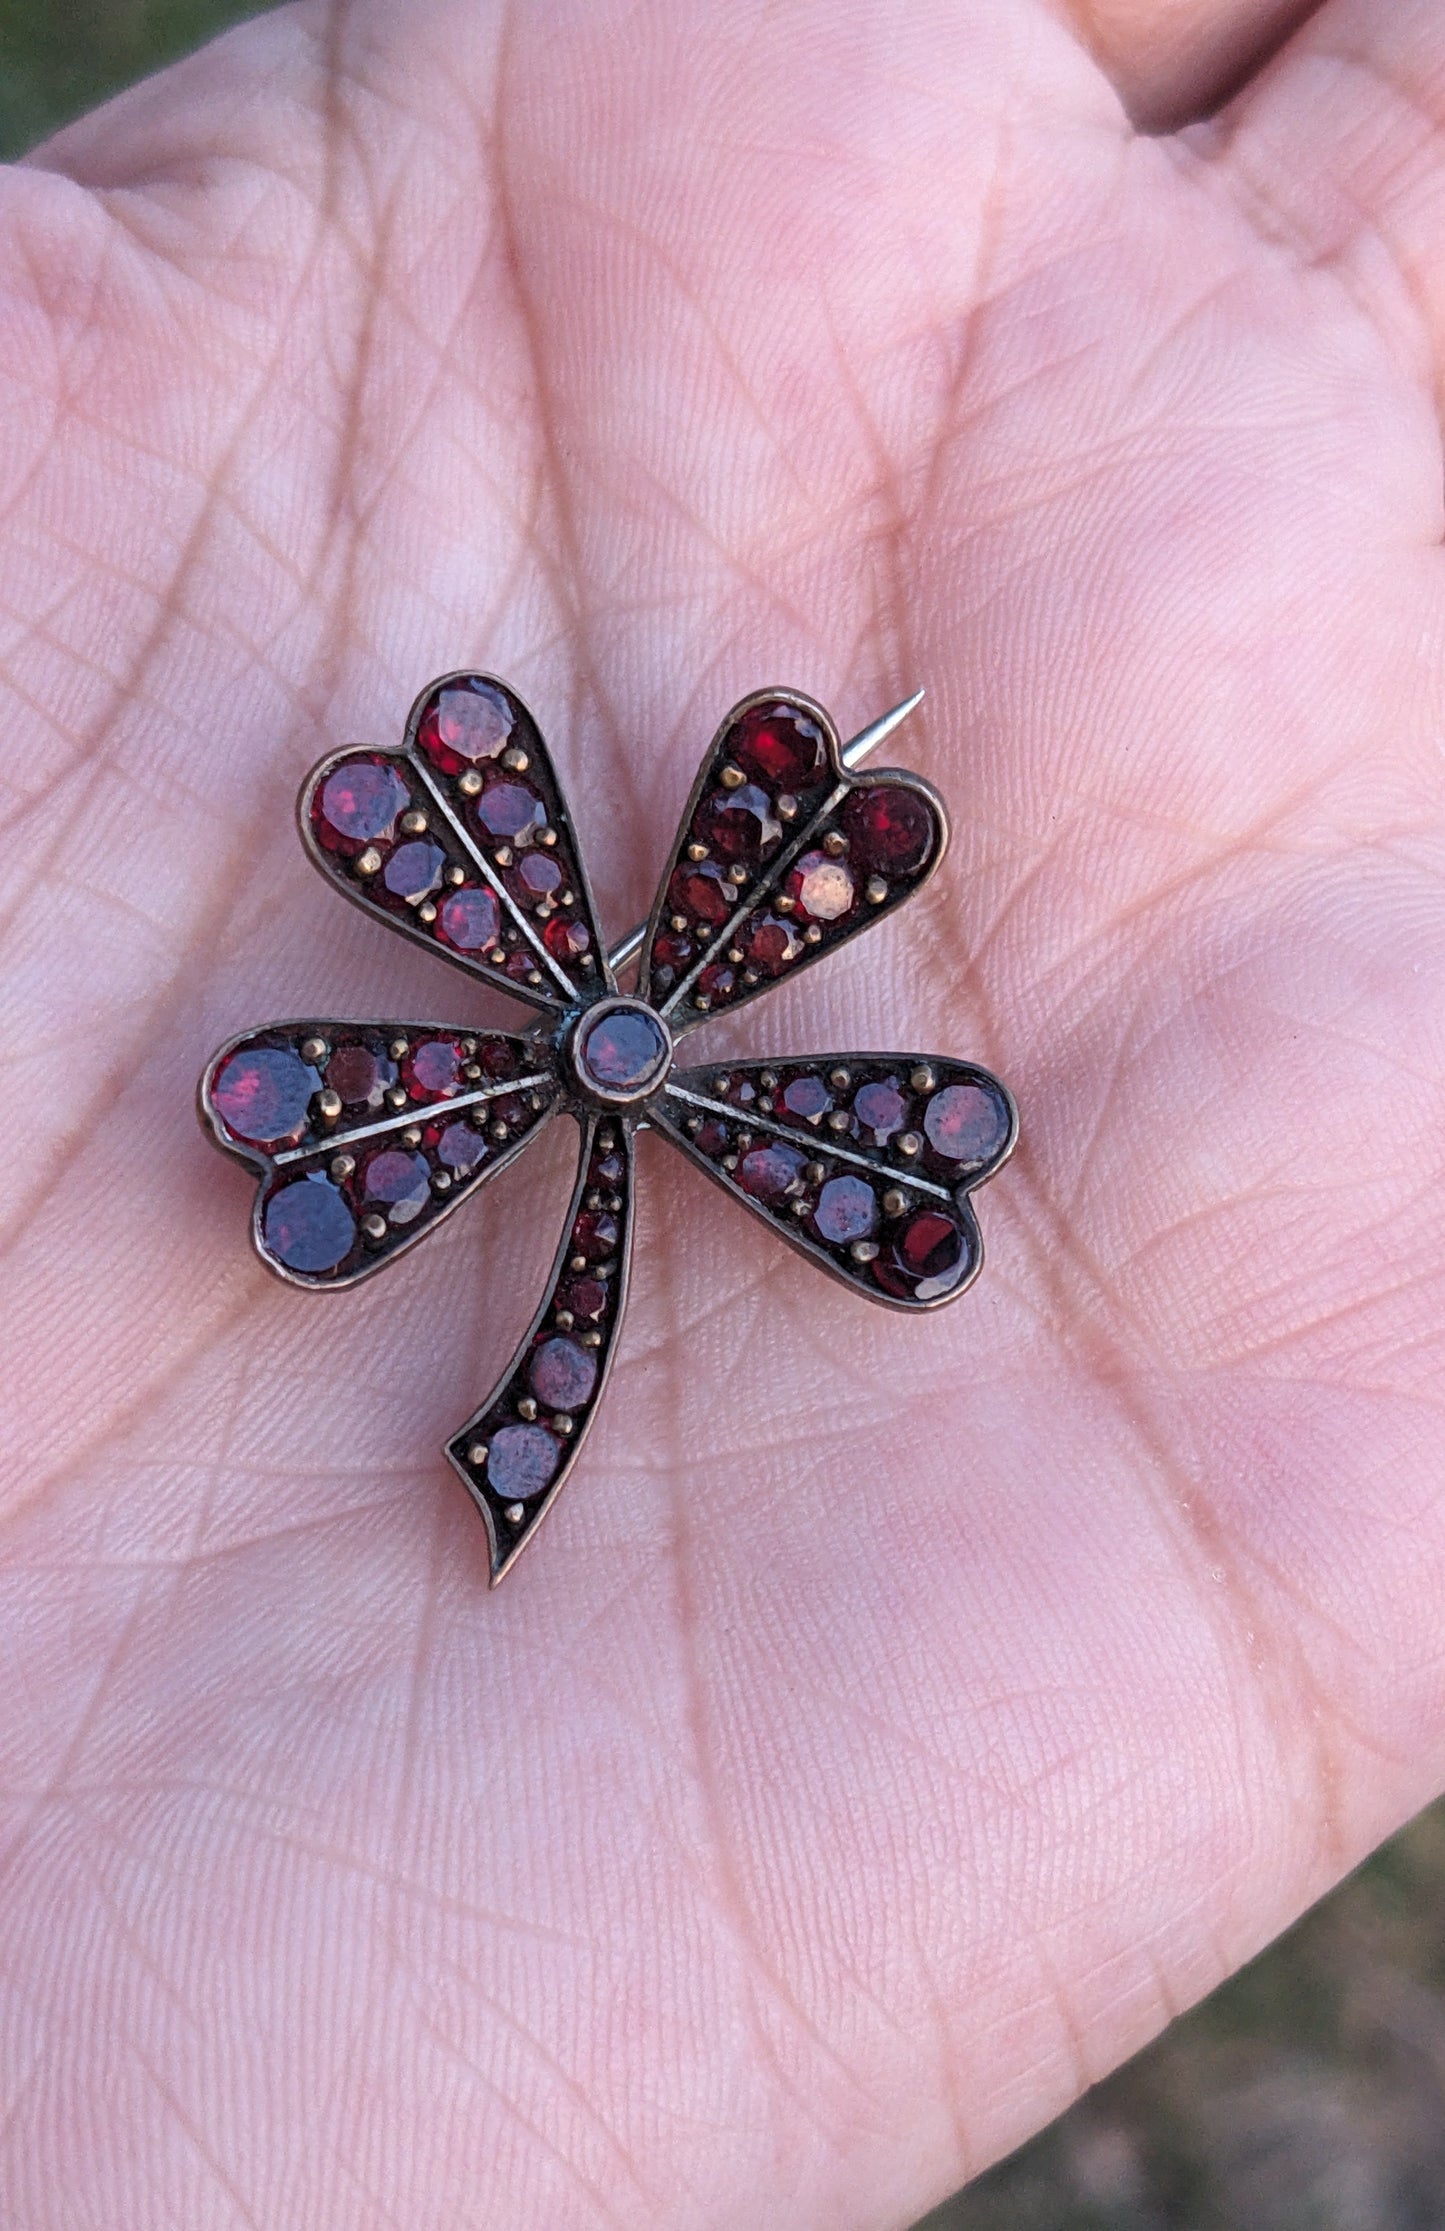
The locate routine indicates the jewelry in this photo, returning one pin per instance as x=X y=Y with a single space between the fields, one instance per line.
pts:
x=368 y=1134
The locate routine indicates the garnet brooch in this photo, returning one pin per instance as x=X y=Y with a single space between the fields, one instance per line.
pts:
x=367 y=1134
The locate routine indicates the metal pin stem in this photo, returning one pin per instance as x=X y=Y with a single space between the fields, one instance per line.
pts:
x=855 y=751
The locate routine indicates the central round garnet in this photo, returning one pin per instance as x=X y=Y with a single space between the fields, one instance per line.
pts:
x=620 y=1050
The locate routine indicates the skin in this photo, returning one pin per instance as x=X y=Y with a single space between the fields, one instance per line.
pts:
x=895 y=1723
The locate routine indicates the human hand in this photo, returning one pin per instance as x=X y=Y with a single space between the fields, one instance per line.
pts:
x=896 y=1721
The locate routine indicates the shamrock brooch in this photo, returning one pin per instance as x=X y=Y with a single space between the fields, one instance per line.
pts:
x=368 y=1134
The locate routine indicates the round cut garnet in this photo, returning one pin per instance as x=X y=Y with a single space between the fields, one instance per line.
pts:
x=359 y=801
x=767 y=1172
x=739 y=824
x=717 y=982
x=509 y=810
x=890 y=829
x=779 y=746
x=584 y=1297
x=773 y=944
x=565 y=939
x=496 y=1057
x=433 y=1069
x=881 y=1108
x=926 y=1259
x=308 y=1226
x=470 y=920
x=702 y=891
x=622 y=1050
x=807 y=1098
x=821 y=889
x=964 y=1125
x=671 y=951
x=465 y=722
x=521 y=1461
x=540 y=874
x=414 y=871
x=595 y=1235
x=562 y=1374
x=398 y=1183
x=359 y=1077
x=847 y=1209
x=263 y=1094
x=460 y=1148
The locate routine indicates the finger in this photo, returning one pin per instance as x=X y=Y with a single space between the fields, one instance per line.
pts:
x=1338 y=148
x=1179 y=60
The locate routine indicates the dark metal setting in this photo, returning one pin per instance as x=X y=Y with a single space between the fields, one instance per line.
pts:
x=366 y=1135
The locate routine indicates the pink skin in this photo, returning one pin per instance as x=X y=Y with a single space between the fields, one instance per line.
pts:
x=895 y=1722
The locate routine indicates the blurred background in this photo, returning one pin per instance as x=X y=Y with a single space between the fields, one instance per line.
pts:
x=1309 y=2093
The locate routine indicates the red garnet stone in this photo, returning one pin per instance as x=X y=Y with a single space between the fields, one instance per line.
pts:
x=890 y=830
x=779 y=747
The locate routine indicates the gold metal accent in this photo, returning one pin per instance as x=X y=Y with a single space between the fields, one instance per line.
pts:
x=441 y=1181
x=922 y=1078
x=469 y=783
x=835 y=844
x=839 y=1079
x=396 y=1096
x=894 y=1202
x=413 y=824
x=875 y=890
x=477 y=1453
x=330 y=1105
x=812 y=935
x=426 y=912
x=341 y=1166
x=731 y=777
x=592 y=1339
x=527 y=1408
x=374 y=1228
x=313 y=1049
x=696 y=852
x=369 y=861
x=815 y=1172
x=782 y=904
x=768 y=1080
x=515 y=1513
x=738 y=874
x=456 y=876
x=577 y=1263
x=398 y=1049
x=565 y=1319
x=515 y=758
x=563 y=1422
x=546 y=835
x=786 y=806
x=839 y=1120
x=503 y=855
x=910 y=1144
x=677 y=921
x=411 y=1136
x=864 y=1250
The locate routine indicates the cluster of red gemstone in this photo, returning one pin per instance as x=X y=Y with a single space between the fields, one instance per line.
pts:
x=740 y=921
x=482 y=742
x=374 y=816
x=514 y=1449
x=907 y=1120
x=319 y=1092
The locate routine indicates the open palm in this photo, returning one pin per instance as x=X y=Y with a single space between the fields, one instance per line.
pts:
x=895 y=1721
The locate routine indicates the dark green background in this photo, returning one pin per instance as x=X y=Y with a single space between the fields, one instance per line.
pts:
x=1308 y=2094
